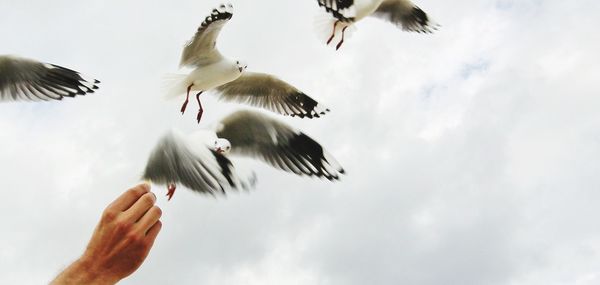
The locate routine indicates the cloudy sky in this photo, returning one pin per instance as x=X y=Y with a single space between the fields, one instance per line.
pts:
x=472 y=154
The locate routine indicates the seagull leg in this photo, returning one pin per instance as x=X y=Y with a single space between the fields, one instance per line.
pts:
x=170 y=191
x=333 y=33
x=342 y=41
x=187 y=98
x=201 y=110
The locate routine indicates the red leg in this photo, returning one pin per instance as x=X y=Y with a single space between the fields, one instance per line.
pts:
x=333 y=33
x=170 y=191
x=201 y=110
x=342 y=41
x=187 y=98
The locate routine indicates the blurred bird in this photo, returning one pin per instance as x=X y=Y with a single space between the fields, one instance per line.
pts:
x=402 y=13
x=200 y=161
x=228 y=78
x=29 y=80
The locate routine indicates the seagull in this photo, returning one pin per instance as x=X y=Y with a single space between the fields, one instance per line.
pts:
x=402 y=13
x=228 y=78
x=200 y=161
x=24 y=79
x=194 y=164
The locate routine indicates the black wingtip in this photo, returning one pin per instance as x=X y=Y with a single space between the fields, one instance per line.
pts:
x=307 y=104
x=312 y=153
x=420 y=22
x=217 y=15
x=420 y=16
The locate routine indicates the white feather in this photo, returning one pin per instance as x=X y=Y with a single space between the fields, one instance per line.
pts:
x=323 y=26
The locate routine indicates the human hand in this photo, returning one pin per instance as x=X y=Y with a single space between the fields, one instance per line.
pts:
x=121 y=241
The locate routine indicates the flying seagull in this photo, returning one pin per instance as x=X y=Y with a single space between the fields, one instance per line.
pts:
x=29 y=80
x=228 y=78
x=189 y=161
x=200 y=161
x=402 y=13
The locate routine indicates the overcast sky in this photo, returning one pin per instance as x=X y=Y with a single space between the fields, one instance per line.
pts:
x=472 y=154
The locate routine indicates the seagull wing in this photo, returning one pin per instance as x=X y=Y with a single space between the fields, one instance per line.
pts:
x=201 y=49
x=342 y=10
x=29 y=80
x=405 y=14
x=271 y=93
x=256 y=135
x=175 y=160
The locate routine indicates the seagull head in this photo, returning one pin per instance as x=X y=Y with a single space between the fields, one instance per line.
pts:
x=241 y=66
x=222 y=146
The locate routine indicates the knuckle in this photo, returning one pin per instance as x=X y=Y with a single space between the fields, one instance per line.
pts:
x=134 y=238
x=123 y=226
x=130 y=195
x=148 y=199
x=137 y=191
x=109 y=215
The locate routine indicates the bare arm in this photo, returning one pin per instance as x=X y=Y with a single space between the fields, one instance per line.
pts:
x=121 y=241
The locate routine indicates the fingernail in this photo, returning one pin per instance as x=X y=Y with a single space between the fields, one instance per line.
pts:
x=153 y=195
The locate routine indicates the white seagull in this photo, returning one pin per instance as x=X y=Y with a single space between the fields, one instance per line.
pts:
x=29 y=80
x=228 y=78
x=402 y=13
x=200 y=161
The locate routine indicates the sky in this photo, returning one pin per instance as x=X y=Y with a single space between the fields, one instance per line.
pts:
x=471 y=154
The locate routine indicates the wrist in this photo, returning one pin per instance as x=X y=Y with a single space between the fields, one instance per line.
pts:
x=89 y=272
x=84 y=271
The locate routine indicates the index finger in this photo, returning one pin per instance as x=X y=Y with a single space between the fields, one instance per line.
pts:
x=128 y=198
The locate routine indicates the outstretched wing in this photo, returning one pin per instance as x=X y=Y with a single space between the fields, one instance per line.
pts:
x=342 y=10
x=201 y=169
x=271 y=93
x=201 y=49
x=405 y=14
x=29 y=80
x=259 y=136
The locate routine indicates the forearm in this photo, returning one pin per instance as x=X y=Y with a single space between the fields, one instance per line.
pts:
x=81 y=272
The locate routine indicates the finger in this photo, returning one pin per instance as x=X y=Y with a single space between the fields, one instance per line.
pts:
x=129 y=197
x=140 y=207
x=149 y=219
x=153 y=232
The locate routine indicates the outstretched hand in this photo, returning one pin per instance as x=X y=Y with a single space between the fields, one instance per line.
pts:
x=121 y=241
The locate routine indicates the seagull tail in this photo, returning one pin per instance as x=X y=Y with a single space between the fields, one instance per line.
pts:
x=174 y=84
x=323 y=26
